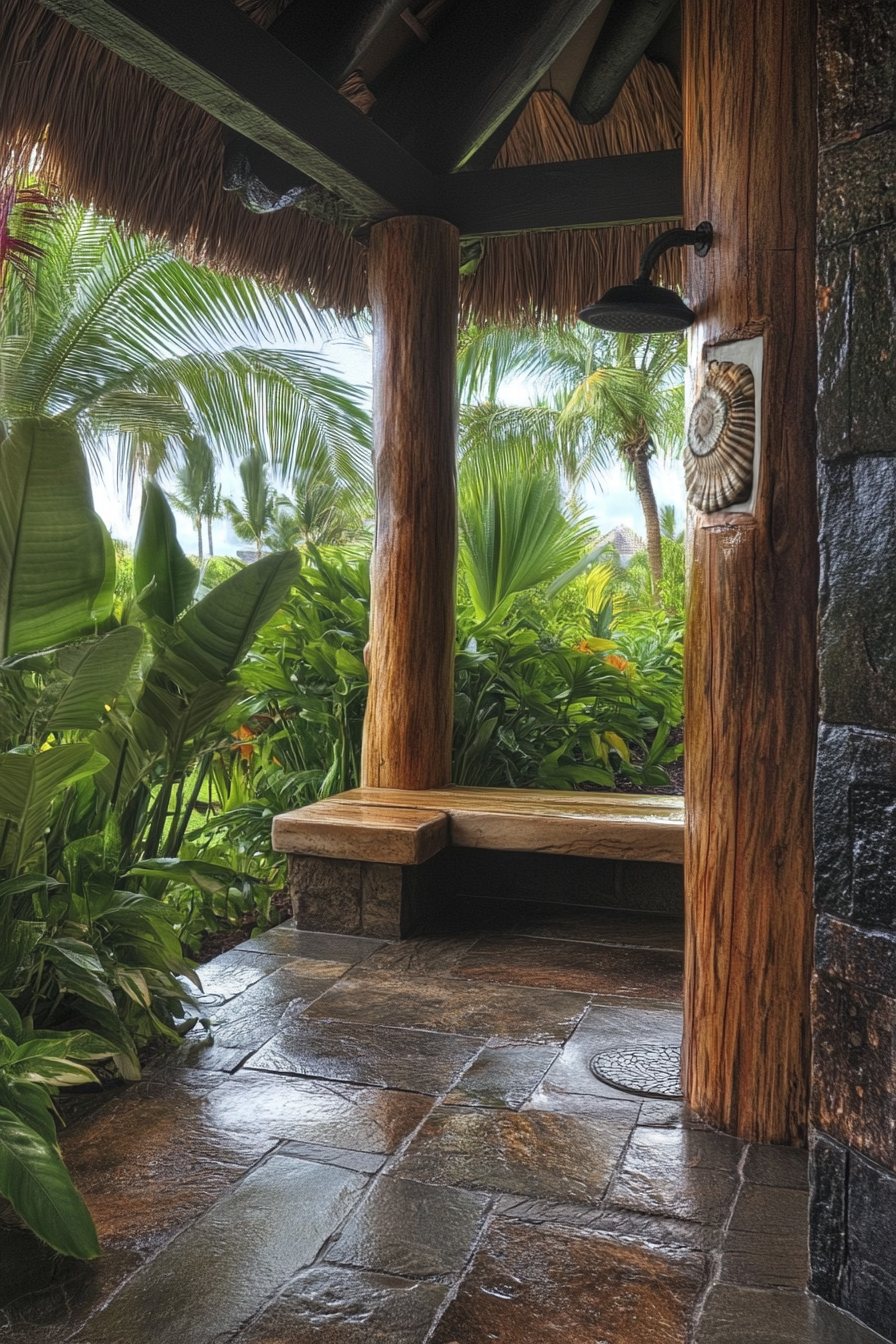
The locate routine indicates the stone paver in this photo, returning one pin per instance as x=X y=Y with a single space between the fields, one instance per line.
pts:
x=592 y=968
x=756 y=1316
x=545 y=1156
x=503 y=1075
x=679 y=1173
x=390 y=999
x=345 y=1306
x=549 y=1284
x=413 y=1230
x=381 y=1142
x=622 y=928
x=215 y=1276
x=155 y=1157
x=369 y=1119
x=425 y=1061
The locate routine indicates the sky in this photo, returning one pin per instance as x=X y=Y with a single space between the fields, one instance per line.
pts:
x=608 y=499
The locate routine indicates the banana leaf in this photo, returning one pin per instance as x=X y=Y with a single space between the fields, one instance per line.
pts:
x=52 y=546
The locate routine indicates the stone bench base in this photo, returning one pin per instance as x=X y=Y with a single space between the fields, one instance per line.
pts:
x=386 y=900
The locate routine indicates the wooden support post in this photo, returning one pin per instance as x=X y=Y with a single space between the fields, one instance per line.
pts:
x=413 y=270
x=750 y=153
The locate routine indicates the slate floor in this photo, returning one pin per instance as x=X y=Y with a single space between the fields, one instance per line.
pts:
x=404 y=1143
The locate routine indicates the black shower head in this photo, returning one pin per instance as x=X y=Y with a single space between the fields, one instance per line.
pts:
x=642 y=306
x=639 y=307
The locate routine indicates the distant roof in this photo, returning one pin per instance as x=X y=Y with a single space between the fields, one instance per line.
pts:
x=445 y=86
x=624 y=540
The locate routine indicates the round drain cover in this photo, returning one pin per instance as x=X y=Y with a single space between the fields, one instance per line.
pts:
x=649 y=1071
x=209 y=1000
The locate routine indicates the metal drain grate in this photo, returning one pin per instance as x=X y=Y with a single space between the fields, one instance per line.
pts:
x=649 y=1071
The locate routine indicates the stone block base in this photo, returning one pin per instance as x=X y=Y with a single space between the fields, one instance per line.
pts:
x=379 y=900
x=385 y=900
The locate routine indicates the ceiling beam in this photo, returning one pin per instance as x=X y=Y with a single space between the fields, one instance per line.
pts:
x=214 y=55
x=581 y=194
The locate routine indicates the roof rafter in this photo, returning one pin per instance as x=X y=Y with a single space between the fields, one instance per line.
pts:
x=214 y=55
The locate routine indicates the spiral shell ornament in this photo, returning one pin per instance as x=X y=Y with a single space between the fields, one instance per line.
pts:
x=718 y=462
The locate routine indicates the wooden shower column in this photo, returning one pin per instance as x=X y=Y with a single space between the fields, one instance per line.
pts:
x=413 y=275
x=750 y=682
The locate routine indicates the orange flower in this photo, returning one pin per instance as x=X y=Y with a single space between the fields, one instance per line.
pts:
x=245 y=737
x=618 y=661
x=581 y=647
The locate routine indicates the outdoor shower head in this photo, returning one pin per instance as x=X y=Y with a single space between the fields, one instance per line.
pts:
x=643 y=306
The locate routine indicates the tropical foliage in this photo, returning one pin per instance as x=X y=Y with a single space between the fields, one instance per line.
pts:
x=107 y=734
x=601 y=398
x=117 y=336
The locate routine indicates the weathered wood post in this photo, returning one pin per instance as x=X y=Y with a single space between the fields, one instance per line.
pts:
x=750 y=152
x=413 y=275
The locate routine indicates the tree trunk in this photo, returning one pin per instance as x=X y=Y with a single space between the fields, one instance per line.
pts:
x=413 y=267
x=199 y=536
x=208 y=529
x=647 y=499
x=750 y=675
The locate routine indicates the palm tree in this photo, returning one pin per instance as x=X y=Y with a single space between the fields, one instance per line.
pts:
x=253 y=518
x=321 y=513
x=197 y=494
x=603 y=397
x=120 y=337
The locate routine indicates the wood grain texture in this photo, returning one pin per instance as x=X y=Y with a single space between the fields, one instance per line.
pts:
x=527 y=802
x=335 y=830
x=400 y=825
x=413 y=267
x=649 y=840
x=750 y=677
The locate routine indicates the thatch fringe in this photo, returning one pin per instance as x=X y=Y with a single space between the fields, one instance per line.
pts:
x=534 y=277
x=117 y=139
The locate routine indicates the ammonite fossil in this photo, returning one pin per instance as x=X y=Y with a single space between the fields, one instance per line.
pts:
x=718 y=461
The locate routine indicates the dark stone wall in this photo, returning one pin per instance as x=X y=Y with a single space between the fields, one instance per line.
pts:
x=853 y=1214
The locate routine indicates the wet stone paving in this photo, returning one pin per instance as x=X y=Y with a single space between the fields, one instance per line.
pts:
x=405 y=1142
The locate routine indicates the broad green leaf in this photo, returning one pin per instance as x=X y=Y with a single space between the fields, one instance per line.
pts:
x=210 y=877
x=105 y=598
x=618 y=745
x=20 y=886
x=110 y=1024
x=97 y=679
x=10 y=1021
x=34 y=1180
x=30 y=783
x=133 y=982
x=163 y=576
x=215 y=634
x=80 y=954
x=83 y=984
x=31 y=1103
x=83 y=1045
x=515 y=535
x=39 y=1061
x=52 y=549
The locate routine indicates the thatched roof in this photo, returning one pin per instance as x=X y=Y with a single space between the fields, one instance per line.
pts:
x=119 y=140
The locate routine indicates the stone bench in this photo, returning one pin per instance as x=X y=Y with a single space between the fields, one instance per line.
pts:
x=374 y=861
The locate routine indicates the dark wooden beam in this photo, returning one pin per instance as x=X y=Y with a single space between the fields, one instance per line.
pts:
x=443 y=99
x=628 y=31
x=581 y=194
x=211 y=53
x=214 y=55
x=333 y=38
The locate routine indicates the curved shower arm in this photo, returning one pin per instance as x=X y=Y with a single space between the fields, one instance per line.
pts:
x=700 y=239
